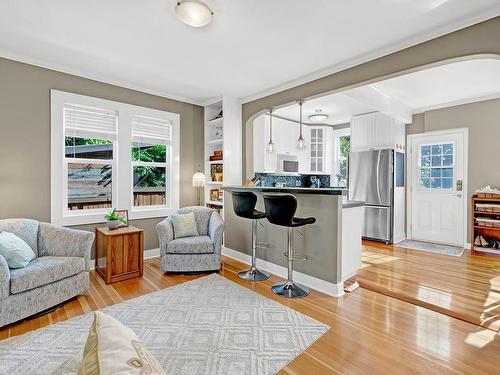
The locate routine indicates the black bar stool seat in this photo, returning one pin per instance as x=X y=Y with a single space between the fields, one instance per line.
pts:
x=280 y=210
x=244 y=206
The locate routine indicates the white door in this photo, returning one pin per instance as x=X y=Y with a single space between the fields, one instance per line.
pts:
x=438 y=197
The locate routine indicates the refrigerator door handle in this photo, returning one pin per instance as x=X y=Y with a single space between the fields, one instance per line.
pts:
x=378 y=177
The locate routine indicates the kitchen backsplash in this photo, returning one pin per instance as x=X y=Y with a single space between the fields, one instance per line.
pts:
x=267 y=179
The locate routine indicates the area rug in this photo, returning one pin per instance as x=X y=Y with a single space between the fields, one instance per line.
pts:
x=431 y=247
x=206 y=326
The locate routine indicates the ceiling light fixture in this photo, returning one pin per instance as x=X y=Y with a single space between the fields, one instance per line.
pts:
x=301 y=143
x=270 y=144
x=193 y=13
x=318 y=116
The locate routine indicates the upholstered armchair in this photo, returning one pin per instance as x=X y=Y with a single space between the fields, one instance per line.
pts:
x=192 y=254
x=59 y=272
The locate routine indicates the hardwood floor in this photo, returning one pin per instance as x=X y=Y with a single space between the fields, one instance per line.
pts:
x=370 y=332
x=466 y=287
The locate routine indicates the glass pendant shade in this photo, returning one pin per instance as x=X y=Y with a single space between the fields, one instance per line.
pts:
x=270 y=145
x=301 y=143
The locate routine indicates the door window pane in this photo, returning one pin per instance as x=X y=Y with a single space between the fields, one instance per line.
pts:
x=89 y=186
x=436 y=161
x=436 y=149
x=448 y=160
x=433 y=160
x=447 y=183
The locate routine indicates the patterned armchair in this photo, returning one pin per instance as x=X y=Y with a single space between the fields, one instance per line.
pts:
x=192 y=254
x=59 y=271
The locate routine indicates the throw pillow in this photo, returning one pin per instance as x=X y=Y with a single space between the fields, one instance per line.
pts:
x=114 y=349
x=184 y=225
x=15 y=250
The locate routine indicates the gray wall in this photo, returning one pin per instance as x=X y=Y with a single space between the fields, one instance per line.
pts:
x=478 y=40
x=483 y=121
x=25 y=138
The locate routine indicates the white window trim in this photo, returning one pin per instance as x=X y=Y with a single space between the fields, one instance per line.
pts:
x=337 y=134
x=122 y=194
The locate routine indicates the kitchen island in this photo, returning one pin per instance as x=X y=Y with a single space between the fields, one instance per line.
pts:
x=332 y=245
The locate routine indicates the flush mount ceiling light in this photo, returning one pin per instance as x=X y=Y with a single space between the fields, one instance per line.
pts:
x=193 y=13
x=318 y=116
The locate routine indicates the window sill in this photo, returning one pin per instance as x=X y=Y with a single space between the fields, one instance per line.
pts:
x=98 y=217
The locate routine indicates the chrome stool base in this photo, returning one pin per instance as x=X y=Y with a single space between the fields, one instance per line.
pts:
x=254 y=274
x=290 y=290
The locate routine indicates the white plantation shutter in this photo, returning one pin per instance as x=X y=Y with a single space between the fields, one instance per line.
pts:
x=151 y=131
x=89 y=122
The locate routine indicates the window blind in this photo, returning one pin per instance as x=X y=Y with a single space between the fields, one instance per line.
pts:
x=150 y=130
x=89 y=122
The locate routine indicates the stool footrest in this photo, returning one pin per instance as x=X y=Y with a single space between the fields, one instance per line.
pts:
x=263 y=245
x=297 y=256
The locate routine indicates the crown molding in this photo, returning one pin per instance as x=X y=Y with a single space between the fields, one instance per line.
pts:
x=492 y=12
x=95 y=77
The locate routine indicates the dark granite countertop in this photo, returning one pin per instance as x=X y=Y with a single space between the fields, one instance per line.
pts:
x=291 y=190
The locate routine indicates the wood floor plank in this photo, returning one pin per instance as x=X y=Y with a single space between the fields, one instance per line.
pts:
x=370 y=332
x=466 y=287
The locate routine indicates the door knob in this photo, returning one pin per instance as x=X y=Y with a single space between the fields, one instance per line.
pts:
x=459 y=195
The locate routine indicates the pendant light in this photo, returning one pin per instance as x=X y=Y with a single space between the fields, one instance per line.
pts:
x=301 y=143
x=270 y=144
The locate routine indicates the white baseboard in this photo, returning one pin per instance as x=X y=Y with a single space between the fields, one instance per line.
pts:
x=152 y=253
x=148 y=254
x=334 y=290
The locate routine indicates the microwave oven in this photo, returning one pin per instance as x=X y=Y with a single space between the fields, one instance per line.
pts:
x=288 y=164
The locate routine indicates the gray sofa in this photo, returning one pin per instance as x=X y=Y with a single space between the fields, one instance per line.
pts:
x=59 y=272
x=192 y=254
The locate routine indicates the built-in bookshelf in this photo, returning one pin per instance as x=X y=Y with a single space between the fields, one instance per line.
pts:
x=214 y=156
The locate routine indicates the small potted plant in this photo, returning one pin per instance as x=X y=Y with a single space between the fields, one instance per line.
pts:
x=114 y=220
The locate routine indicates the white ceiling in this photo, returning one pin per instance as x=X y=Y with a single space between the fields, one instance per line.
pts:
x=252 y=47
x=442 y=86
x=445 y=85
x=339 y=107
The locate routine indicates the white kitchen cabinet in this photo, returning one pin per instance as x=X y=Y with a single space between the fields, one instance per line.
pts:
x=286 y=137
x=375 y=131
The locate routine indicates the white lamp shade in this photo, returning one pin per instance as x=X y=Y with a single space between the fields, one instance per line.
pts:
x=193 y=13
x=198 y=179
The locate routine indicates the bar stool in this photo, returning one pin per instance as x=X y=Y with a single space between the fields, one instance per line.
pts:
x=280 y=210
x=244 y=206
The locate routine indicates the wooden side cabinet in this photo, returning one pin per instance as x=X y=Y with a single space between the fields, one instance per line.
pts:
x=119 y=253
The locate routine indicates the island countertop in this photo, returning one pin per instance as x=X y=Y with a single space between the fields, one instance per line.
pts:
x=295 y=190
x=285 y=189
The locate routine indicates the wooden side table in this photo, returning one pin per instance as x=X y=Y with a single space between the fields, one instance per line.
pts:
x=119 y=253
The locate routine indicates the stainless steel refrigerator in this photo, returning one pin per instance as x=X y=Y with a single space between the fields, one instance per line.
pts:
x=371 y=179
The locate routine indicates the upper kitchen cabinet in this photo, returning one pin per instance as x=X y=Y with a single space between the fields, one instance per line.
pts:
x=375 y=131
x=287 y=133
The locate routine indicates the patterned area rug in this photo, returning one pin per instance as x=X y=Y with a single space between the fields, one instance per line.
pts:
x=206 y=326
x=431 y=247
